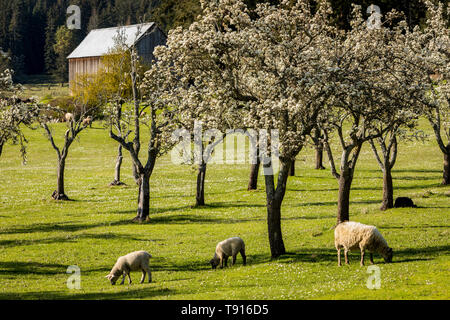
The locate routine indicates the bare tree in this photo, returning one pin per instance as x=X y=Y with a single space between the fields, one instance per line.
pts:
x=76 y=126
x=151 y=111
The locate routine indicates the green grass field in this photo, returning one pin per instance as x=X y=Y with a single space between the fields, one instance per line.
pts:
x=40 y=238
x=43 y=87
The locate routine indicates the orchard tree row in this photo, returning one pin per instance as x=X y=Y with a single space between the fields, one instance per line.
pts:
x=285 y=67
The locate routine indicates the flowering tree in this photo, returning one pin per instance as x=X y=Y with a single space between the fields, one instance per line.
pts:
x=14 y=112
x=196 y=56
x=426 y=59
x=289 y=80
x=371 y=97
x=262 y=68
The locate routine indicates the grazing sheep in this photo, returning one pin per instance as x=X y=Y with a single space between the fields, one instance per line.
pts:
x=69 y=117
x=134 y=261
x=354 y=235
x=87 y=122
x=227 y=248
x=404 y=202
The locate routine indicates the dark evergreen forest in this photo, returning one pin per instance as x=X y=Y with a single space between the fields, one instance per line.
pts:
x=28 y=27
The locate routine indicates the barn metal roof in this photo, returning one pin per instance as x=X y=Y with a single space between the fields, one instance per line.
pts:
x=100 y=41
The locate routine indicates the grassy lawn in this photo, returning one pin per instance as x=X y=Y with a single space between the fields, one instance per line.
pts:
x=40 y=238
x=44 y=87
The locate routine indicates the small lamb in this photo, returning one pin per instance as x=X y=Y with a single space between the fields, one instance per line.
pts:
x=134 y=261
x=354 y=235
x=227 y=248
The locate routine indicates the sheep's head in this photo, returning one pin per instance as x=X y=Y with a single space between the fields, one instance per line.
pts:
x=214 y=262
x=112 y=278
x=388 y=256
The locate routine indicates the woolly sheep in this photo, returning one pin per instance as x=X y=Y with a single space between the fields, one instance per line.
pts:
x=404 y=202
x=227 y=248
x=69 y=117
x=134 y=261
x=354 y=235
x=87 y=121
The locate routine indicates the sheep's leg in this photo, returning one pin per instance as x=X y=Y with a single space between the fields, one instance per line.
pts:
x=346 y=256
x=339 y=257
x=149 y=275
x=371 y=258
x=143 y=276
x=129 y=278
x=243 y=256
x=362 y=257
x=221 y=262
x=234 y=260
x=123 y=278
x=226 y=261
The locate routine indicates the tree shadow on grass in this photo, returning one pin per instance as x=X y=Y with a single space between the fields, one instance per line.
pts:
x=411 y=227
x=192 y=218
x=417 y=170
x=380 y=188
x=327 y=255
x=419 y=254
x=145 y=292
x=25 y=268
x=416 y=178
x=68 y=226
x=71 y=239
x=153 y=210
x=239 y=204
x=333 y=203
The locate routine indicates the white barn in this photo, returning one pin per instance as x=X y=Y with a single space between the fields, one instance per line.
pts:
x=86 y=58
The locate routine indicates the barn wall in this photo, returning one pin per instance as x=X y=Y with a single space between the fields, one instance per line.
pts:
x=149 y=42
x=79 y=66
x=90 y=65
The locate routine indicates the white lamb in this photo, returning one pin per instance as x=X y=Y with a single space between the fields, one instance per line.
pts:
x=227 y=248
x=134 y=261
x=357 y=236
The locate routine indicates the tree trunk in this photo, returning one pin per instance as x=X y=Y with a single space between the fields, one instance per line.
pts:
x=1 y=148
x=446 y=176
x=345 y=183
x=319 y=156
x=388 y=189
x=292 y=169
x=253 y=180
x=144 y=198
x=274 y=228
x=59 y=193
x=274 y=201
x=116 y=181
x=200 y=195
